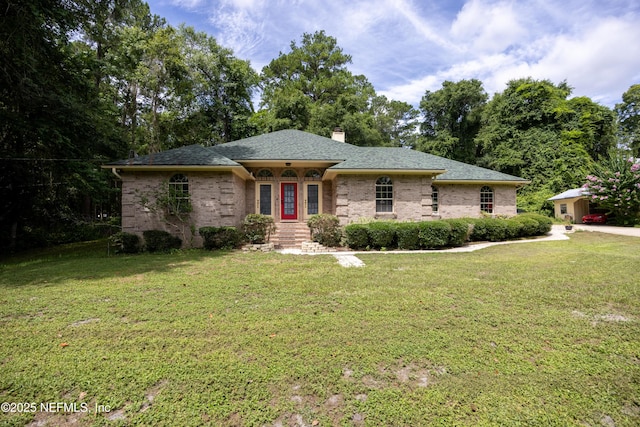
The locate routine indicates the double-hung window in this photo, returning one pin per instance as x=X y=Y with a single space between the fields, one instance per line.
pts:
x=178 y=197
x=384 y=195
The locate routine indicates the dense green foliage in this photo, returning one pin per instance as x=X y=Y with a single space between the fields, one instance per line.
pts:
x=443 y=233
x=126 y=243
x=357 y=236
x=310 y=88
x=258 y=228
x=628 y=112
x=221 y=237
x=452 y=120
x=325 y=229
x=160 y=241
x=433 y=234
x=83 y=83
x=533 y=131
x=460 y=231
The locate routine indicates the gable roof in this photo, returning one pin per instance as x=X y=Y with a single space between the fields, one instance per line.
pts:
x=286 y=145
x=295 y=145
x=388 y=159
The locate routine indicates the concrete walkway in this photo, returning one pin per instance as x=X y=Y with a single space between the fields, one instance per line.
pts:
x=623 y=231
x=558 y=232
x=347 y=260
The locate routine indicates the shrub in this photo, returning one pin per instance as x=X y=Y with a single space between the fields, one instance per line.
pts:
x=407 y=235
x=528 y=225
x=126 y=243
x=544 y=222
x=382 y=234
x=496 y=229
x=220 y=237
x=357 y=236
x=258 y=228
x=325 y=229
x=478 y=229
x=434 y=234
x=514 y=228
x=460 y=231
x=160 y=241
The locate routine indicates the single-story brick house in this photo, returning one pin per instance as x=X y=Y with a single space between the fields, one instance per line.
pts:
x=291 y=175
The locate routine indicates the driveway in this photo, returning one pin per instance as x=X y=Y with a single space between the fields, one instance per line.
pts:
x=624 y=231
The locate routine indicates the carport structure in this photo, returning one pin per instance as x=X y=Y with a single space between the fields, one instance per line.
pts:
x=572 y=204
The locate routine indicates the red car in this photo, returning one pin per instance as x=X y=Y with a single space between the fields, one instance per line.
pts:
x=595 y=218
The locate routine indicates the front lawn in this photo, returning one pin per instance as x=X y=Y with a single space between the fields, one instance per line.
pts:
x=545 y=333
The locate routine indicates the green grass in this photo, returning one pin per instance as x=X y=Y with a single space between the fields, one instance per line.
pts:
x=544 y=334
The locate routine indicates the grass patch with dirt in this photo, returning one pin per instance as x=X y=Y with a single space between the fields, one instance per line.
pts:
x=545 y=333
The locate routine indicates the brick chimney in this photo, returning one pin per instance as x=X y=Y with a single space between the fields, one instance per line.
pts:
x=338 y=135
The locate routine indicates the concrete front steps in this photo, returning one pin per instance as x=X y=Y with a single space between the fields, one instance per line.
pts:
x=290 y=235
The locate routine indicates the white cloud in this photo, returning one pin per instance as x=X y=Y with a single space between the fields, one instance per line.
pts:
x=481 y=68
x=405 y=47
x=488 y=27
x=598 y=63
x=600 y=60
x=188 y=4
x=241 y=26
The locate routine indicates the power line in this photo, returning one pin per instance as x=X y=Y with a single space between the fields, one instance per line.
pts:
x=32 y=159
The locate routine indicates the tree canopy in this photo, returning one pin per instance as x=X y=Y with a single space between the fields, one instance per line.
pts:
x=535 y=131
x=628 y=112
x=310 y=88
x=451 y=119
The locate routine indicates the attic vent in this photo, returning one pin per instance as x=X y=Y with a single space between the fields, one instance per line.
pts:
x=338 y=135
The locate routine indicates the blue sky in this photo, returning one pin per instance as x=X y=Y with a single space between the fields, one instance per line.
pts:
x=405 y=47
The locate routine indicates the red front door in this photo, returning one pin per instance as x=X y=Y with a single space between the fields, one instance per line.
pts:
x=289 y=200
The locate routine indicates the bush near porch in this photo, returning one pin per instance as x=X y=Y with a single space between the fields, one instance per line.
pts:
x=325 y=229
x=443 y=233
x=221 y=237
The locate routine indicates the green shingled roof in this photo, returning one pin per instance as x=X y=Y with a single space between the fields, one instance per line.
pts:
x=191 y=155
x=387 y=158
x=286 y=145
x=290 y=145
x=458 y=171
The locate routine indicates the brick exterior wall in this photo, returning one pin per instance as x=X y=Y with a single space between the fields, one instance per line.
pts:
x=355 y=197
x=458 y=201
x=223 y=198
x=217 y=198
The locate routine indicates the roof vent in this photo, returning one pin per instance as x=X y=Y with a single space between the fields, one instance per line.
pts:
x=338 y=135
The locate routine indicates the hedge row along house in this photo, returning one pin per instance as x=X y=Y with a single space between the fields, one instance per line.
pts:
x=291 y=175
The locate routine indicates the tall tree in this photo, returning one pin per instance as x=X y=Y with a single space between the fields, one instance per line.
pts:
x=100 y=28
x=217 y=106
x=159 y=77
x=452 y=119
x=628 y=112
x=395 y=120
x=310 y=88
x=316 y=68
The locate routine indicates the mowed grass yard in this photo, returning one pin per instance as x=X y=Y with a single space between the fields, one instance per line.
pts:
x=546 y=333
